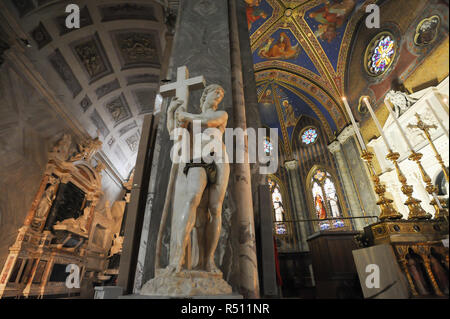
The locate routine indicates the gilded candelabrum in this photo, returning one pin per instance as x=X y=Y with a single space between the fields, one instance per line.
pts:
x=431 y=189
x=387 y=210
x=426 y=130
x=415 y=209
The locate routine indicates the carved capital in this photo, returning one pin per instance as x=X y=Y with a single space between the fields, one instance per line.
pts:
x=346 y=134
x=334 y=147
x=291 y=165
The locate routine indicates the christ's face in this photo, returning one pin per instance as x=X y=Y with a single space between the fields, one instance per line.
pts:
x=213 y=99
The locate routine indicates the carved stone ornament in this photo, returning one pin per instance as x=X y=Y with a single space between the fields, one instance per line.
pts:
x=78 y=226
x=90 y=58
x=138 y=46
x=334 y=147
x=346 y=134
x=401 y=101
x=46 y=201
x=291 y=165
x=87 y=149
x=61 y=150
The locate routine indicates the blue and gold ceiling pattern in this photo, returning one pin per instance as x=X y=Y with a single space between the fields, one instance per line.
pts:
x=300 y=50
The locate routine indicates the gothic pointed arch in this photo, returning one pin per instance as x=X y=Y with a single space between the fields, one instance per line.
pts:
x=281 y=207
x=325 y=198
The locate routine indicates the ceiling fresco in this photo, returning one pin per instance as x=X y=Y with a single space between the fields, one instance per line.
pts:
x=300 y=50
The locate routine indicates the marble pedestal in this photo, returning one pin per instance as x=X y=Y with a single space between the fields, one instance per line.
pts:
x=392 y=282
x=187 y=283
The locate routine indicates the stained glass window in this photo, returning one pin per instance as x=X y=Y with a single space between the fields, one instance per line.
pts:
x=380 y=54
x=330 y=192
x=320 y=175
x=268 y=146
x=326 y=201
x=319 y=203
x=277 y=202
x=309 y=136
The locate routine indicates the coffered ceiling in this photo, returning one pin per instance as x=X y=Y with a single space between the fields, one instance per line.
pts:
x=106 y=73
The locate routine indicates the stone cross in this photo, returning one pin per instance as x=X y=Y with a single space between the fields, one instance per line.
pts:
x=182 y=86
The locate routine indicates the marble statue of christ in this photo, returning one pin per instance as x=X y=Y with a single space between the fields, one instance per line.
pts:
x=200 y=187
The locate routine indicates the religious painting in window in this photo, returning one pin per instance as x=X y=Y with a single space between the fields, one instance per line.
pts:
x=319 y=205
x=309 y=135
x=278 y=208
x=326 y=200
x=268 y=146
x=380 y=54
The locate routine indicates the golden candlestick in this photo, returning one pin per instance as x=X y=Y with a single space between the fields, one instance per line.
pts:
x=431 y=189
x=387 y=210
x=415 y=209
x=426 y=130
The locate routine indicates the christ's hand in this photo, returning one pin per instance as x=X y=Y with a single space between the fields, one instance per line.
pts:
x=175 y=104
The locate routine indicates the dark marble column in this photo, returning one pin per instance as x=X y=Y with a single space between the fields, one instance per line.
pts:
x=202 y=43
x=360 y=177
x=300 y=210
x=357 y=187
x=241 y=175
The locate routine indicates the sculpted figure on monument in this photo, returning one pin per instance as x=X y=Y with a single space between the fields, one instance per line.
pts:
x=200 y=187
x=62 y=148
x=79 y=225
x=47 y=199
x=87 y=149
x=401 y=101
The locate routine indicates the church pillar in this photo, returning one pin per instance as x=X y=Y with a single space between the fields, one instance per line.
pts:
x=208 y=46
x=359 y=174
x=241 y=177
x=150 y=226
x=298 y=204
x=349 y=188
x=354 y=177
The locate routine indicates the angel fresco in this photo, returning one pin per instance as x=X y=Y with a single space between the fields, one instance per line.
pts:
x=290 y=115
x=282 y=49
x=253 y=3
x=266 y=97
x=254 y=14
x=331 y=17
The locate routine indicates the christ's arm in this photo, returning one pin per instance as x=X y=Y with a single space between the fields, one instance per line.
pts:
x=214 y=119
x=171 y=121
